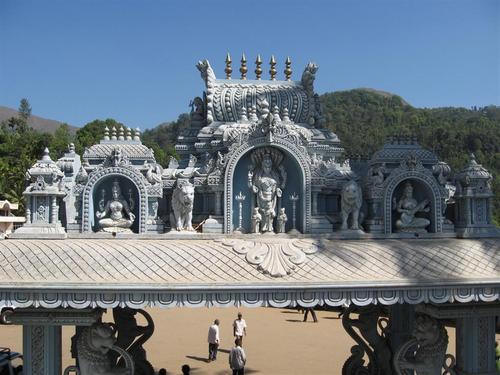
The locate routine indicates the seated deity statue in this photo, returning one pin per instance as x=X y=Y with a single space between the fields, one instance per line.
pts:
x=116 y=212
x=267 y=182
x=408 y=207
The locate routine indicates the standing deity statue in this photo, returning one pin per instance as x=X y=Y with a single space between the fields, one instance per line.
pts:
x=267 y=179
x=282 y=219
x=256 y=219
x=408 y=207
x=116 y=212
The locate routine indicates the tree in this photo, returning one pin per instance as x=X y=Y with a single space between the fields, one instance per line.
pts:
x=24 y=109
x=93 y=132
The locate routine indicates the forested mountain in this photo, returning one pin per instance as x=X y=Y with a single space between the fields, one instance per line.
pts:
x=362 y=119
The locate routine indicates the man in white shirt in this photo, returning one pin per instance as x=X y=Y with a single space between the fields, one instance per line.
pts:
x=237 y=358
x=213 y=340
x=240 y=328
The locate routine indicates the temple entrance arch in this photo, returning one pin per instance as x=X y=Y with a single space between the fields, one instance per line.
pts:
x=298 y=182
x=133 y=191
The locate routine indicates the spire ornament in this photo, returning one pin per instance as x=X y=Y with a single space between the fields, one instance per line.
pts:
x=288 y=68
x=243 y=69
x=273 y=70
x=228 y=69
x=258 y=69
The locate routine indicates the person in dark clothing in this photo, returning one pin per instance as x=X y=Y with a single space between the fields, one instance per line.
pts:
x=185 y=369
x=313 y=313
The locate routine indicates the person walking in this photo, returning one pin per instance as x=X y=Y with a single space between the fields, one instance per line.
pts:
x=240 y=328
x=213 y=340
x=237 y=358
x=313 y=313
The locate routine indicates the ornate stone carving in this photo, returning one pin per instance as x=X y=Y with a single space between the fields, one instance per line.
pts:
x=426 y=352
x=131 y=173
x=276 y=258
x=131 y=337
x=238 y=151
x=407 y=207
x=182 y=206
x=154 y=173
x=115 y=215
x=208 y=75
x=374 y=345
x=282 y=219
x=351 y=201
x=93 y=345
x=266 y=178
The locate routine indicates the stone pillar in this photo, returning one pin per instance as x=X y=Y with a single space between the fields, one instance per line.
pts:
x=218 y=203
x=314 y=203
x=475 y=345
x=41 y=350
x=402 y=318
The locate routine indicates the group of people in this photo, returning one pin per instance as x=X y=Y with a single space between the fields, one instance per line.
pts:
x=237 y=356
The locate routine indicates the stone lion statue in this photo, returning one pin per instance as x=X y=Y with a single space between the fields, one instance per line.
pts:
x=93 y=345
x=182 y=206
x=426 y=352
x=351 y=200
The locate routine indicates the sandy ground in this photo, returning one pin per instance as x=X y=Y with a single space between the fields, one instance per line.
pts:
x=278 y=342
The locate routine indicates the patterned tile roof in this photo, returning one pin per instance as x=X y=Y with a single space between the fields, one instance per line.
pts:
x=169 y=263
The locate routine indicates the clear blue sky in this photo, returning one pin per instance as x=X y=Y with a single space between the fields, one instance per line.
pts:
x=135 y=60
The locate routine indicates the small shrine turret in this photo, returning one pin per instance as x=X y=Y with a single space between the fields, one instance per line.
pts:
x=474 y=201
x=43 y=196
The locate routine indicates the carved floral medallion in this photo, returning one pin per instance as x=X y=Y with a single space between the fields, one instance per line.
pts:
x=276 y=257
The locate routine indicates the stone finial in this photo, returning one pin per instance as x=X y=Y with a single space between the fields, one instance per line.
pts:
x=121 y=136
x=113 y=133
x=253 y=114
x=243 y=69
x=288 y=68
x=286 y=118
x=46 y=155
x=276 y=113
x=137 y=134
x=258 y=69
x=228 y=69
x=106 y=134
x=273 y=70
x=243 y=115
x=129 y=134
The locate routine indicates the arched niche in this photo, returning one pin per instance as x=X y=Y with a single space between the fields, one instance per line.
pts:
x=298 y=181
x=424 y=187
x=129 y=192
x=130 y=180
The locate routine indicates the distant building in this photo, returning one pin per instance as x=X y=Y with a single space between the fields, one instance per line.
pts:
x=8 y=221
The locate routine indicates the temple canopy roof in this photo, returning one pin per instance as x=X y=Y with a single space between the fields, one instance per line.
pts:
x=222 y=271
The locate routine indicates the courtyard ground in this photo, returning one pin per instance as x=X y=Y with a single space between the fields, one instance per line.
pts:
x=278 y=342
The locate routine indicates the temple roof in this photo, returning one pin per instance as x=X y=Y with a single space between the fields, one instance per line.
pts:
x=106 y=272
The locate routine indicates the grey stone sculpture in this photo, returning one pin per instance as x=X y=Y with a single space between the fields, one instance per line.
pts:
x=426 y=352
x=266 y=179
x=351 y=200
x=93 y=346
x=116 y=215
x=256 y=219
x=407 y=207
x=282 y=219
x=182 y=206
